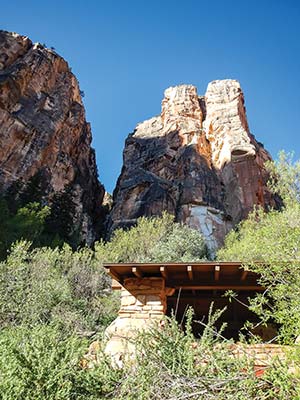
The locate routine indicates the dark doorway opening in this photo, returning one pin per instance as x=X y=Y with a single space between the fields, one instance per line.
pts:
x=235 y=314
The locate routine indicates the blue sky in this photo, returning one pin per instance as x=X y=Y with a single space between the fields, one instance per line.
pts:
x=125 y=53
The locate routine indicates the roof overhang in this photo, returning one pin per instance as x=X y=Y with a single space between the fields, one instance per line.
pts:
x=190 y=276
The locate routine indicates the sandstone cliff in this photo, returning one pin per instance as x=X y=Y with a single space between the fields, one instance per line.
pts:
x=43 y=130
x=197 y=160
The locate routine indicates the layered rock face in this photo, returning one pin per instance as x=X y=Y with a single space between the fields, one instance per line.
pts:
x=43 y=130
x=197 y=160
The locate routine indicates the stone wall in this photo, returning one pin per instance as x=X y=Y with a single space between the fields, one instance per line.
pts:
x=143 y=302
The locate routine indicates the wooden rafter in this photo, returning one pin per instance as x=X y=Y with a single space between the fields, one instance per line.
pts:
x=190 y=272
x=137 y=272
x=244 y=275
x=190 y=276
x=217 y=272
x=164 y=272
x=220 y=287
x=115 y=275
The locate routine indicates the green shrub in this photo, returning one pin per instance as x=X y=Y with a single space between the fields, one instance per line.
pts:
x=268 y=243
x=153 y=239
x=171 y=364
x=44 y=285
x=44 y=362
x=27 y=223
x=71 y=288
x=38 y=363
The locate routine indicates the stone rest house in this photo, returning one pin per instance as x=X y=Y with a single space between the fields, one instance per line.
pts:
x=151 y=290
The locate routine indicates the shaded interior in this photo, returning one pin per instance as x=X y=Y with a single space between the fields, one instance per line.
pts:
x=235 y=313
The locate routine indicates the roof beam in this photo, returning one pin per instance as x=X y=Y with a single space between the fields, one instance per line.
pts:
x=176 y=264
x=137 y=272
x=207 y=299
x=217 y=272
x=164 y=272
x=244 y=275
x=220 y=287
x=190 y=272
x=115 y=275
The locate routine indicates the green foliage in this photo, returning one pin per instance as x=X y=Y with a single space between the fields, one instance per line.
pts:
x=285 y=178
x=272 y=239
x=51 y=300
x=71 y=288
x=59 y=225
x=181 y=244
x=153 y=240
x=268 y=237
x=25 y=215
x=45 y=285
x=171 y=364
x=38 y=363
x=44 y=363
x=284 y=383
x=28 y=223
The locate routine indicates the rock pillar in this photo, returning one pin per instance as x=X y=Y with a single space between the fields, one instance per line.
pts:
x=143 y=301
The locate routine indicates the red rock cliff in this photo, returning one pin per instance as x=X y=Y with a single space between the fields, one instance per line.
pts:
x=43 y=129
x=197 y=160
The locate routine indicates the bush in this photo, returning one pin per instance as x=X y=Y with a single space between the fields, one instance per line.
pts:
x=60 y=285
x=268 y=243
x=153 y=240
x=38 y=363
x=171 y=364
x=27 y=223
x=71 y=288
x=45 y=363
x=50 y=299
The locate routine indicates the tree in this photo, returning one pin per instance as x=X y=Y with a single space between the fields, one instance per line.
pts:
x=285 y=178
x=34 y=190
x=28 y=223
x=59 y=224
x=269 y=243
x=153 y=240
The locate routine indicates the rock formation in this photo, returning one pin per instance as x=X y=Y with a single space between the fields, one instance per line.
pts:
x=197 y=160
x=43 y=130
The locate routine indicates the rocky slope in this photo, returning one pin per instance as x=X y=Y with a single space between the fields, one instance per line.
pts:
x=197 y=160
x=43 y=130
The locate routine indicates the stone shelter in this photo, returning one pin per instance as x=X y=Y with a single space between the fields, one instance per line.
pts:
x=151 y=290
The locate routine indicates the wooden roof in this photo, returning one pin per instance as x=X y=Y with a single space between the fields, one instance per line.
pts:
x=190 y=276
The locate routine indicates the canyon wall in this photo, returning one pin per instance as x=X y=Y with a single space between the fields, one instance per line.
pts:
x=197 y=160
x=43 y=130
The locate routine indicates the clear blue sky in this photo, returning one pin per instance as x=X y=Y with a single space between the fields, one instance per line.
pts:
x=125 y=53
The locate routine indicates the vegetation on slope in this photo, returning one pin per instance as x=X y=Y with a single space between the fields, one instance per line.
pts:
x=55 y=301
x=269 y=243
